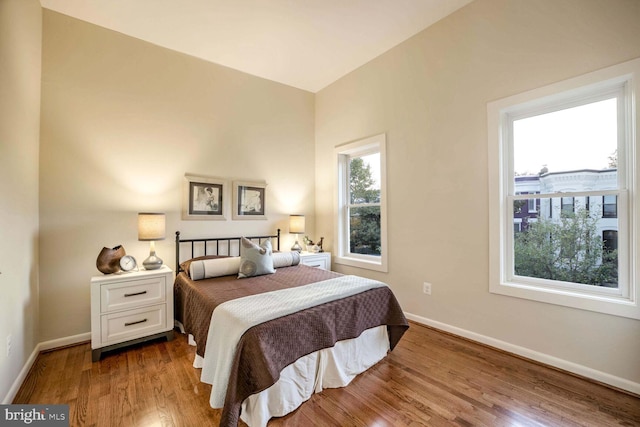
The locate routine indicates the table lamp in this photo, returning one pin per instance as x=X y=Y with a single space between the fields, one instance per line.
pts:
x=296 y=226
x=151 y=227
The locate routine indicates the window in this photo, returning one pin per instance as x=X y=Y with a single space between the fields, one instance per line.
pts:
x=361 y=179
x=609 y=206
x=532 y=205
x=568 y=206
x=610 y=239
x=572 y=143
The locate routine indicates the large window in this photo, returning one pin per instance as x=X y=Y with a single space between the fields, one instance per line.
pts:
x=573 y=144
x=361 y=231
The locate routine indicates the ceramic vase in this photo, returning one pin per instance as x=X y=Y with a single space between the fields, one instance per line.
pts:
x=108 y=261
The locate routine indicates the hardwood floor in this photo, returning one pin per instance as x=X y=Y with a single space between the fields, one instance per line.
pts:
x=430 y=379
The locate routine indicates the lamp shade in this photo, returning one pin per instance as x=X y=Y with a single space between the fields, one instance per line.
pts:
x=296 y=224
x=151 y=226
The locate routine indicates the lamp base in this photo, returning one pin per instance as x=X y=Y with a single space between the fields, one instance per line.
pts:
x=296 y=247
x=152 y=263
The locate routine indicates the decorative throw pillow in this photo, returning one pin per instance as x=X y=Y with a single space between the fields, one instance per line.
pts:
x=255 y=260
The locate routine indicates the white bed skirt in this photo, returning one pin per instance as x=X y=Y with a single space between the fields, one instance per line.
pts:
x=327 y=368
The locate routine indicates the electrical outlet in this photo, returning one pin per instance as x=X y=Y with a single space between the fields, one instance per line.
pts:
x=426 y=288
x=8 y=345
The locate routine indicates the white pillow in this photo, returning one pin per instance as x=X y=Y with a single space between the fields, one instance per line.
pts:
x=256 y=260
x=285 y=259
x=217 y=267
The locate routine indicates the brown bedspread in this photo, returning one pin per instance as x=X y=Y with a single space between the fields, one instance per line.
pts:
x=264 y=350
x=195 y=300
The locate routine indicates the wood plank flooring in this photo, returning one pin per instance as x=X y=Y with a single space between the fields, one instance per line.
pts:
x=430 y=379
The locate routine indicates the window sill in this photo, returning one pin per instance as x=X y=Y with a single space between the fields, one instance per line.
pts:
x=362 y=263
x=601 y=303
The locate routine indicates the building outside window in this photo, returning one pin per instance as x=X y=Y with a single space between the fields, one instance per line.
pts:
x=566 y=224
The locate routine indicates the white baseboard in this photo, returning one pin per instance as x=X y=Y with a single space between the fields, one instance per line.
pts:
x=546 y=359
x=43 y=346
x=21 y=376
x=63 y=342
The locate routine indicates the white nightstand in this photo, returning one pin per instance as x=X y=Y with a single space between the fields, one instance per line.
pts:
x=318 y=259
x=127 y=308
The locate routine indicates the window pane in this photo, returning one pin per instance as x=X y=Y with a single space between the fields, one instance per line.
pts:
x=610 y=238
x=567 y=206
x=610 y=207
x=364 y=179
x=568 y=247
x=579 y=138
x=364 y=230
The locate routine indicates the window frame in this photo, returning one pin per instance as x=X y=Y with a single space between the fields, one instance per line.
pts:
x=623 y=80
x=370 y=145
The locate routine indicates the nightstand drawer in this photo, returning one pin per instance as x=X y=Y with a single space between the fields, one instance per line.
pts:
x=133 y=293
x=130 y=324
x=319 y=260
x=317 y=263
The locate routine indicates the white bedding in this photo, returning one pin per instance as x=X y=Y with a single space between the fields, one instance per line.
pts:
x=232 y=318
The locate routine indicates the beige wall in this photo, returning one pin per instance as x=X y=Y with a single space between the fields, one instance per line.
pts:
x=20 y=50
x=122 y=122
x=430 y=96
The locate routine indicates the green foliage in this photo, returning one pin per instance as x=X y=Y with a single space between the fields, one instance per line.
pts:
x=568 y=249
x=365 y=230
x=364 y=227
x=361 y=181
x=518 y=205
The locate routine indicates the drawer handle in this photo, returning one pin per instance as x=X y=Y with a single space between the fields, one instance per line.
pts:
x=135 y=323
x=134 y=294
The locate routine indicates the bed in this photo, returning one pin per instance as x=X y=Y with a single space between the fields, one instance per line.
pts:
x=266 y=341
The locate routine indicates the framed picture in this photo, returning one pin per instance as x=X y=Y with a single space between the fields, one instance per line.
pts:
x=203 y=197
x=249 y=200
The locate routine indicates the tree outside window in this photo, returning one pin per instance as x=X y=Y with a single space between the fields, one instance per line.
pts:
x=364 y=221
x=569 y=250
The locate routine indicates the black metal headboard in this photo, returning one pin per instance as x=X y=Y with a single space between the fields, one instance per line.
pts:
x=217 y=245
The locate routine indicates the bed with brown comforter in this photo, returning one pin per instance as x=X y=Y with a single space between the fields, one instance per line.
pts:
x=265 y=349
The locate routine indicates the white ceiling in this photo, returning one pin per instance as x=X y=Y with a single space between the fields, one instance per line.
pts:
x=307 y=44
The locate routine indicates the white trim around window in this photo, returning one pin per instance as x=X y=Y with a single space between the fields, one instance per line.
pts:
x=343 y=154
x=624 y=80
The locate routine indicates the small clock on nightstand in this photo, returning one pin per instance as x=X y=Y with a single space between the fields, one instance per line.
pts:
x=128 y=263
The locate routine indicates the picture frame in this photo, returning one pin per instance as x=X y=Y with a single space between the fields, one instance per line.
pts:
x=249 y=200
x=204 y=198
